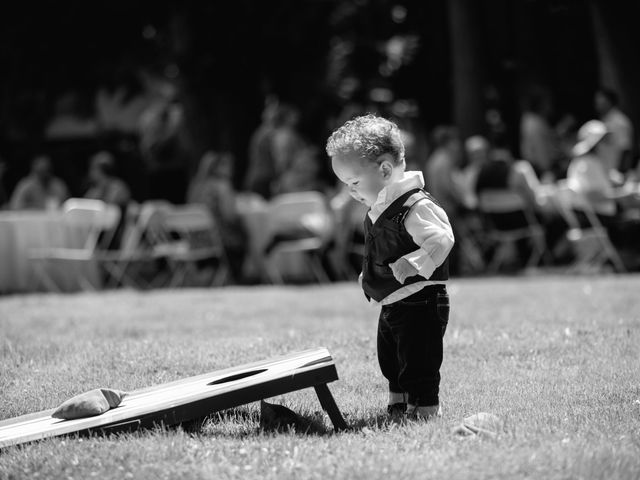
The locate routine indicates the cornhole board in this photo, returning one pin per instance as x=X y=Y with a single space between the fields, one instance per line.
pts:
x=193 y=398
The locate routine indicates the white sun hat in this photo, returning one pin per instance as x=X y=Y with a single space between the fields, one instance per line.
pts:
x=588 y=137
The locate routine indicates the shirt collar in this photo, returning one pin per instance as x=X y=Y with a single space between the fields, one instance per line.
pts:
x=390 y=193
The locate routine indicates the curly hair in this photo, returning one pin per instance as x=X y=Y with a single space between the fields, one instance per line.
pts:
x=370 y=136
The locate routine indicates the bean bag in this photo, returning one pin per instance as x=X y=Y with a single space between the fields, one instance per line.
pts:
x=89 y=404
x=481 y=424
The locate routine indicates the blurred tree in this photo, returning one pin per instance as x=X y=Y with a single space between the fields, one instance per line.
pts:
x=469 y=66
x=617 y=38
x=451 y=59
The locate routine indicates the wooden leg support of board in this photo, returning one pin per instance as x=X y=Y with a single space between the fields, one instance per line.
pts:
x=329 y=405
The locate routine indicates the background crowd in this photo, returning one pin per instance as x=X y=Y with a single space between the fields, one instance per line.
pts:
x=153 y=130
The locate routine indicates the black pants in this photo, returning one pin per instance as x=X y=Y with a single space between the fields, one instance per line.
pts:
x=410 y=335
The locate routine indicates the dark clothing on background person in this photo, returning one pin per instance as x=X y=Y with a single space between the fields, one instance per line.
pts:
x=495 y=175
x=219 y=196
x=113 y=191
x=262 y=169
x=503 y=174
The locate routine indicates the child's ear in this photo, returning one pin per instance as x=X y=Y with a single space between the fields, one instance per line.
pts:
x=386 y=168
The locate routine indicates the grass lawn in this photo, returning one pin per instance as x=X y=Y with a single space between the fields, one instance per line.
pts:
x=558 y=358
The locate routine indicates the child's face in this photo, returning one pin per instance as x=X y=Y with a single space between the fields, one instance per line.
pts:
x=364 y=178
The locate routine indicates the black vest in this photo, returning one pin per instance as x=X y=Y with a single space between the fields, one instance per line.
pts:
x=386 y=241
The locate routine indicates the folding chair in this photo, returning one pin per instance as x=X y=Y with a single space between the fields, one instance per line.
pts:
x=591 y=243
x=492 y=203
x=187 y=235
x=300 y=222
x=98 y=222
x=123 y=266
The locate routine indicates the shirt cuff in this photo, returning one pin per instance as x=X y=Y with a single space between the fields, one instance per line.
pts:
x=422 y=262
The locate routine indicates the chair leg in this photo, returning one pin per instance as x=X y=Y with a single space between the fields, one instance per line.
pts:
x=613 y=255
x=83 y=281
x=179 y=275
x=221 y=274
x=114 y=274
x=272 y=271
x=501 y=253
x=316 y=266
x=537 y=252
x=119 y=275
x=42 y=276
x=472 y=253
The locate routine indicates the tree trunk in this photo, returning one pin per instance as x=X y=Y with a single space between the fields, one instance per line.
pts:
x=616 y=38
x=467 y=66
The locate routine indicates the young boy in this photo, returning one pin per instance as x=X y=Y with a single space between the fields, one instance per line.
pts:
x=405 y=267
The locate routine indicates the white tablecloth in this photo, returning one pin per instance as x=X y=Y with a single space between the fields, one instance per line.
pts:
x=25 y=231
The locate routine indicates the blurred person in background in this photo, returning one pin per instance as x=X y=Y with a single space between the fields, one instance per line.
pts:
x=539 y=143
x=40 y=190
x=212 y=186
x=442 y=171
x=588 y=171
x=503 y=172
x=303 y=174
x=104 y=185
x=261 y=170
x=164 y=148
x=617 y=151
x=588 y=174
x=477 y=149
x=287 y=140
x=567 y=131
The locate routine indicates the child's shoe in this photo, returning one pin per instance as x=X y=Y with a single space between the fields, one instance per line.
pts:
x=415 y=412
x=397 y=412
x=397 y=406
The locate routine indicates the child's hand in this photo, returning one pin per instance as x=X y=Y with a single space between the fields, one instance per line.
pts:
x=402 y=269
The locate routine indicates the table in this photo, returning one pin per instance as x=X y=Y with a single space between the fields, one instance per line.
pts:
x=22 y=232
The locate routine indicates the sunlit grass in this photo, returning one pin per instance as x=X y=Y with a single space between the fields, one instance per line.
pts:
x=556 y=357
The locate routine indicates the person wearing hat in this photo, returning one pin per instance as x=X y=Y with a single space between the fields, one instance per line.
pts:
x=588 y=174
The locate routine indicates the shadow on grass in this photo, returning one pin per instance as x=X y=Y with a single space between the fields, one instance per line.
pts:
x=243 y=423
x=281 y=420
x=274 y=419
x=240 y=422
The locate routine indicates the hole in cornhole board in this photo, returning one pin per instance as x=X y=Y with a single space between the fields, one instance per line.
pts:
x=238 y=376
